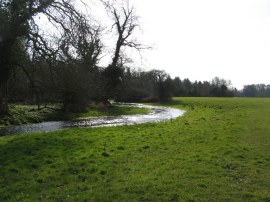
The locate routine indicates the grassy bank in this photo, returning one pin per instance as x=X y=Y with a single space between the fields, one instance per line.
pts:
x=219 y=151
x=22 y=114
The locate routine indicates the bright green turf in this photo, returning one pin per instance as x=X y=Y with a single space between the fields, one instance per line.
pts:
x=219 y=151
x=22 y=114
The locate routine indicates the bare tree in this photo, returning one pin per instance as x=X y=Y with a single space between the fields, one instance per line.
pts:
x=19 y=23
x=125 y=22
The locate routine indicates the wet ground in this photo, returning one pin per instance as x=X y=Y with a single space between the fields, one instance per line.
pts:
x=157 y=114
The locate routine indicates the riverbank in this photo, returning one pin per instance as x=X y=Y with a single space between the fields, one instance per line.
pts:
x=24 y=114
x=218 y=151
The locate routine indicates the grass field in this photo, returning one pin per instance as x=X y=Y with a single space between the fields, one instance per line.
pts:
x=218 y=151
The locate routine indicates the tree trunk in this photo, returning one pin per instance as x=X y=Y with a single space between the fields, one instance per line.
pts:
x=3 y=100
x=116 y=53
x=5 y=68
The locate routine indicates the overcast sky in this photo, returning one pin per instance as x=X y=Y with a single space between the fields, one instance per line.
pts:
x=201 y=39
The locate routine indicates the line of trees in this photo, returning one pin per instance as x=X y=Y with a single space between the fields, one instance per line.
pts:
x=254 y=90
x=218 y=87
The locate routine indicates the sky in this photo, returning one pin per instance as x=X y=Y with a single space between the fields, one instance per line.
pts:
x=201 y=39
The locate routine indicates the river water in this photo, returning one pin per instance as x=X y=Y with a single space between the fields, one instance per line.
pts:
x=157 y=114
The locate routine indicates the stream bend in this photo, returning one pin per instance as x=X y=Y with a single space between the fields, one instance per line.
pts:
x=157 y=114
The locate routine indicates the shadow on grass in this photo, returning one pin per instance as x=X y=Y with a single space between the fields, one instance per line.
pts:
x=31 y=152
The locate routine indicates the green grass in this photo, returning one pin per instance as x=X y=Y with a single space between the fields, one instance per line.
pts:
x=111 y=111
x=219 y=151
x=22 y=114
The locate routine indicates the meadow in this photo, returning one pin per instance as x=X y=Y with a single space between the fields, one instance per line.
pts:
x=218 y=151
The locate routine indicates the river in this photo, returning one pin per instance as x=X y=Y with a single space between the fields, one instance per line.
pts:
x=157 y=114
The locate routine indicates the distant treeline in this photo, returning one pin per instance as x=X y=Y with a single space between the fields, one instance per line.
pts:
x=157 y=85
x=216 y=88
x=75 y=85
x=254 y=90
